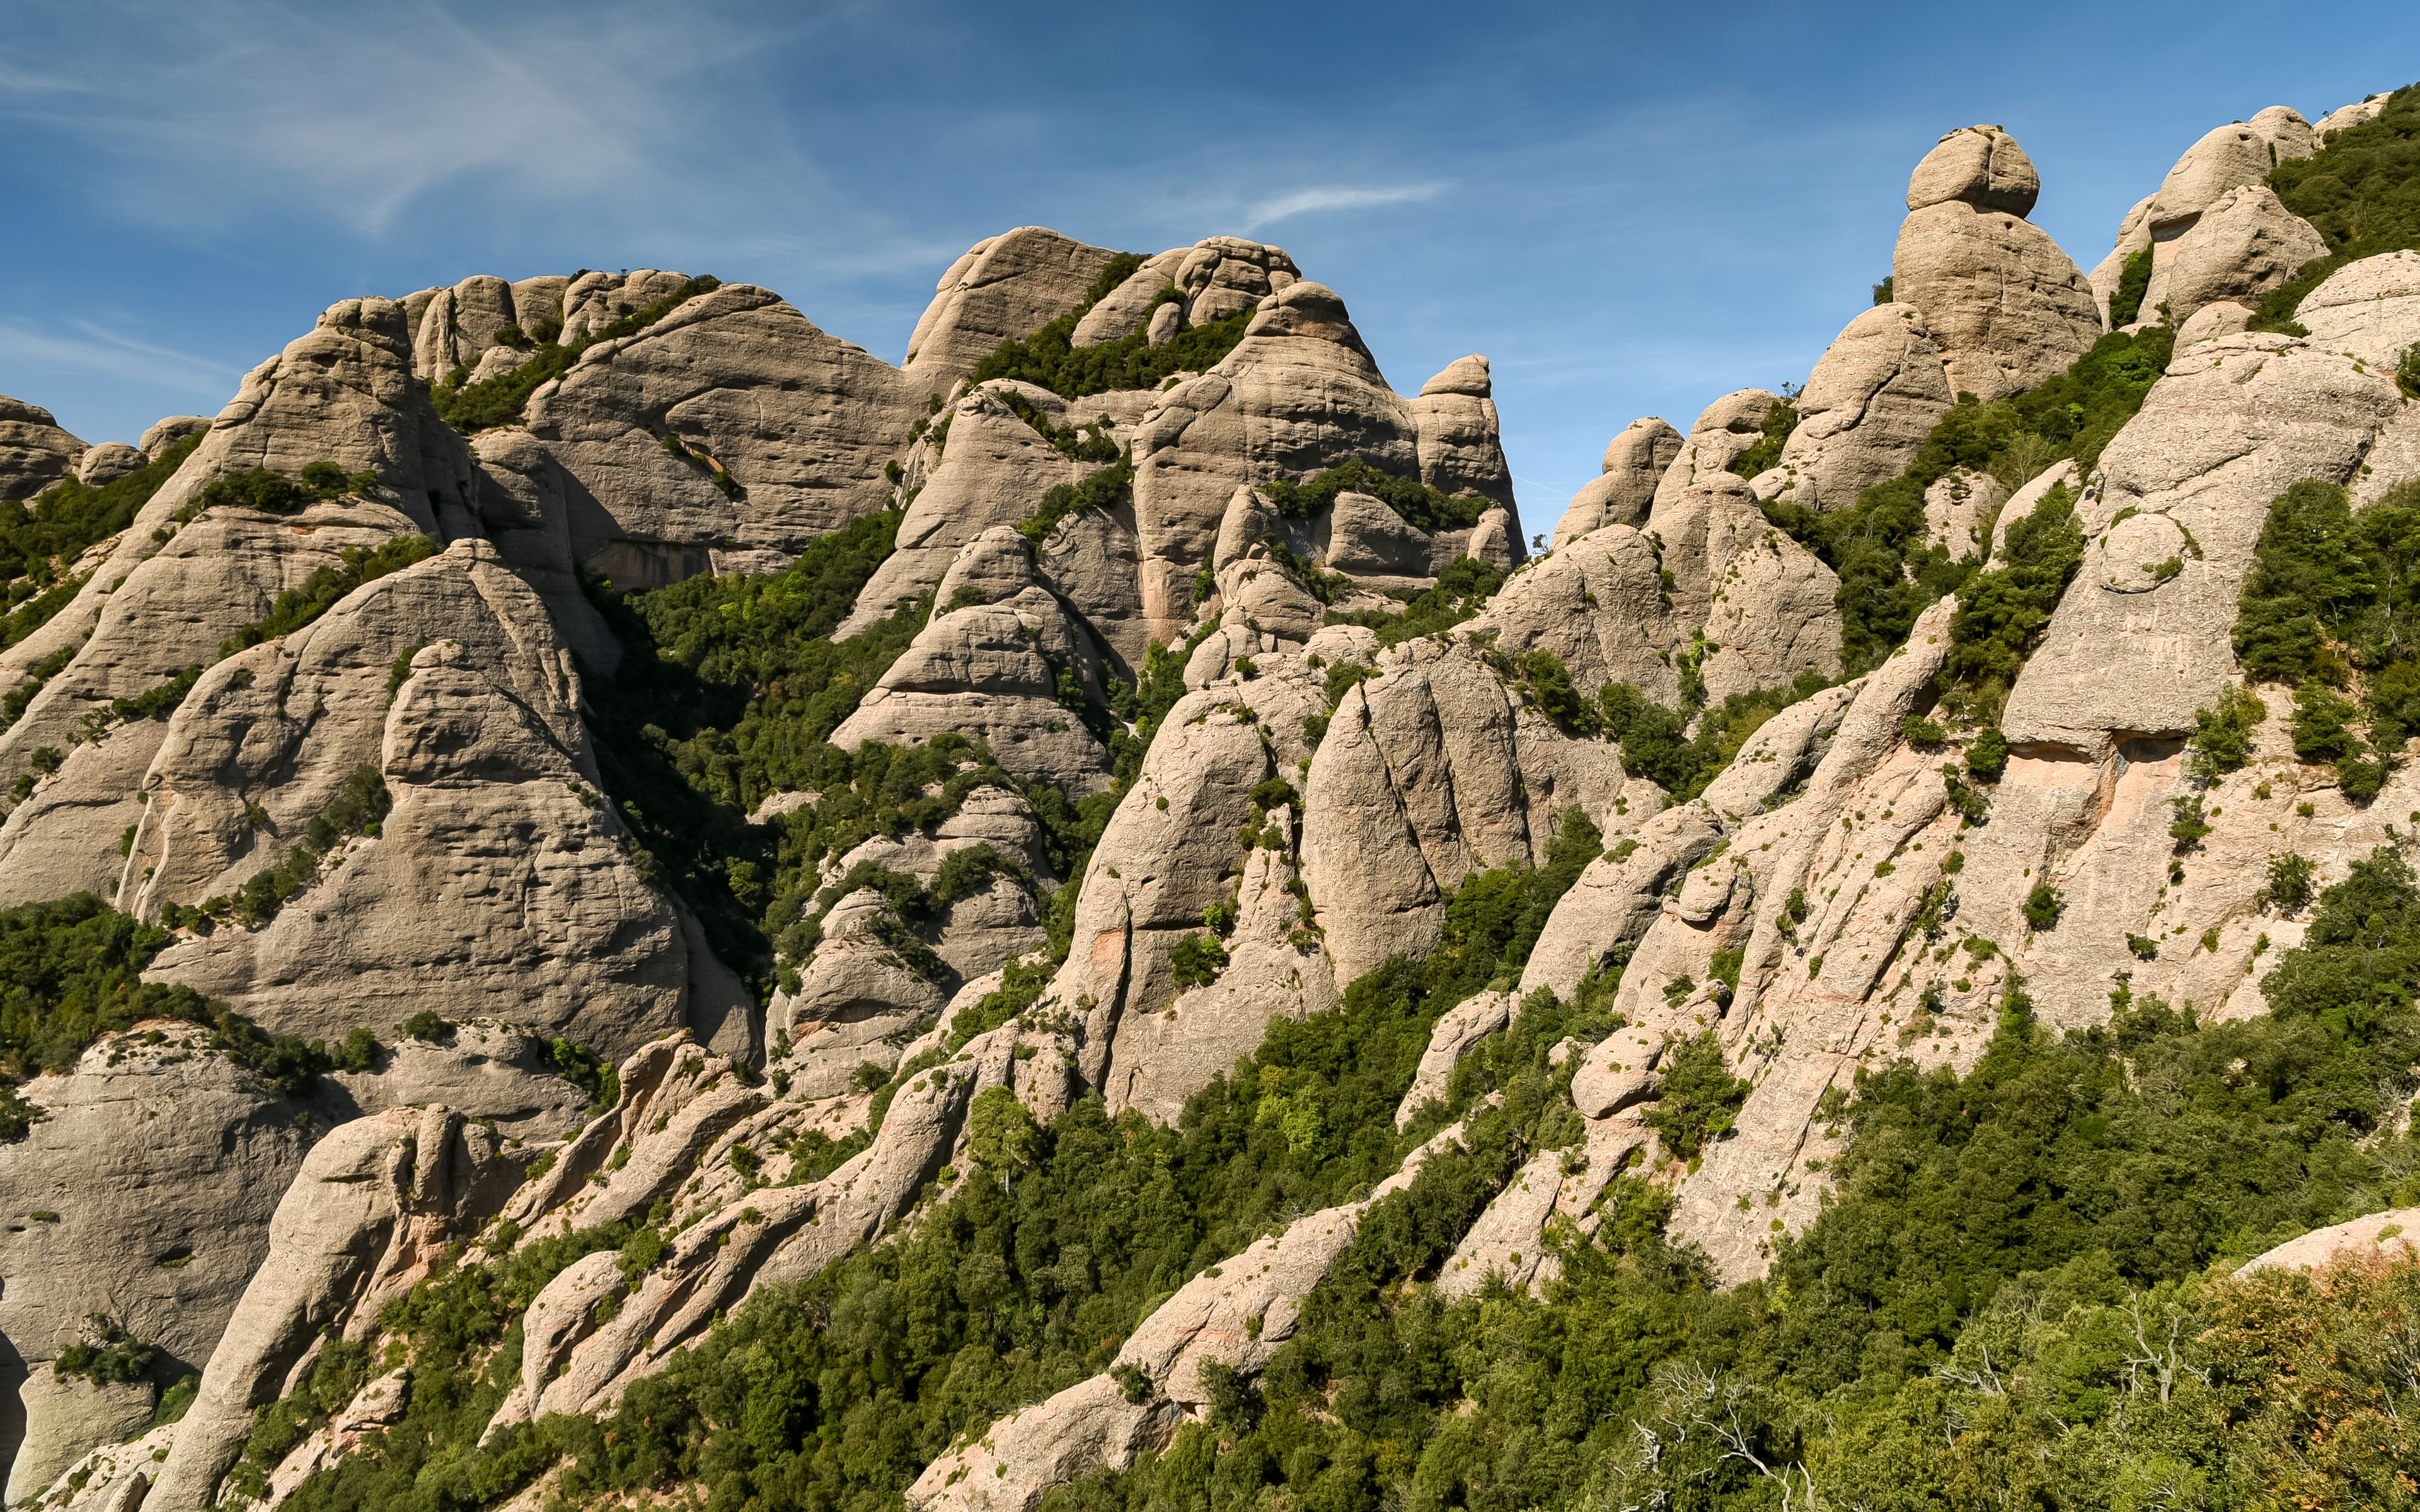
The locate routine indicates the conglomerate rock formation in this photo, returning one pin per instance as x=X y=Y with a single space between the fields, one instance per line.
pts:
x=1171 y=679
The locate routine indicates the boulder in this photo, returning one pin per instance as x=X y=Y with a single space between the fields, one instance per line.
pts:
x=107 y=463
x=1722 y=431
x=34 y=451
x=2380 y=1236
x=1980 y=165
x=2225 y=317
x=167 y=433
x=2344 y=117
x=783 y=433
x=2006 y=307
x=2242 y=245
x=2226 y=157
x=1877 y=392
x=1598 y=604
x=2134 y=235
x=1223 y=275
x=1457 y=443
x=1959 y=508
x=1635 y=462
x=1002 y=288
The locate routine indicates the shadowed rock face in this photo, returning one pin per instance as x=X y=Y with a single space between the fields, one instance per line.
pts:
x=35 y=452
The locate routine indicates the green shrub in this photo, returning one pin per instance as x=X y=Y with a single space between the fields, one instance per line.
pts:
x=2290 y=874
x=1462 y=589
x=2002 y=613
x=498 y=401
x=1700 y=1097
x=2133 y=282
x=1196 y=961
x=1654 y=745
x=298 y=606
x=1051 y=360
x=1549 y=682
x=1103 y=490
x=105 y=1355
x=2221 y=738
x=1987 y=755
x=1421 y=506
x=1883 y=290
x=2362 y=190
x=2043 y=905
x=1773 y=434
x=2407 y=371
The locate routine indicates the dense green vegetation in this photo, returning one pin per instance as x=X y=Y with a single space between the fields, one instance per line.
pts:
x=2330 y=609
x=321 y=590
x=498 y=401
x=41 y=541
x=273 y=493
x=1025 y=1279
x=1888 y=573
x=2003 y=611
x=70 y=973
x=1654 y=742
x=1463 y=586
x=2133 y=282
x=357 y=808
x=729 y=691
x=1049 y=359
x=2362 y=190
x=1419 y=505
x=1773 y=434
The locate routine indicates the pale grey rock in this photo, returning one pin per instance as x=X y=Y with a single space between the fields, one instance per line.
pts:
x=1166 y=321
x=992 y=475
x=2243 y=244
x=1458 y=1030
x=1959 y=508
x=2223 y=318
x=2361 y=1241
x=1223 y=275
x=2344 y=117
x=1368 y=540
x=2226 y=157
x=2021 y=504
x=483 y=1070
x=1868 y=407
x=1004 y=286
x=499 y=883
x=2234 y=423
x=854 y=993
x=168 y=432
x=107 y=463
x=67 y=1418
x=1021 y=1457
x=1134 y=304
x=1726 y=427
x=1276 y=969
x=992 y=669
x=1981 y=165
x=524 y=508
x=1764 y=602
x=35 y=452
x=1599 y=605
x=372 y=1207
x=1778 y=758
x=2006 y=307
x=459 y=326
x=1460 y=453
x=802 y=422
x=113 y=1478
x=1299 y=394
x=2370 y=308
x=1616 y=898
x=162 y=1163
x=592 y=301
x=1635 y=462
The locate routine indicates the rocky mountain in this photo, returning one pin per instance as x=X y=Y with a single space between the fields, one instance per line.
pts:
x=607 y=899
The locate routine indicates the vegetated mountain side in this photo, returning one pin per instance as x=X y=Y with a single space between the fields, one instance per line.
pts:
x=606 y=899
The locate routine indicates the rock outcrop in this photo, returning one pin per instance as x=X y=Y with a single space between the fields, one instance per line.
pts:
x=1634 y=463
x=35 y=452
x=1866 y=408
x=1003 y=286
x=2006 y=308
x=2241 y=246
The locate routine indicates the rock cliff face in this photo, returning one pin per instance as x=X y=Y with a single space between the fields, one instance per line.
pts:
x=1159 y=723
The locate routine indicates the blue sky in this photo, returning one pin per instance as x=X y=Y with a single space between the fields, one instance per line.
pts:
x=1629 y=209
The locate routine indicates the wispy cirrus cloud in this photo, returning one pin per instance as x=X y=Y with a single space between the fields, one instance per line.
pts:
x=87 y=349
x=1334 y=197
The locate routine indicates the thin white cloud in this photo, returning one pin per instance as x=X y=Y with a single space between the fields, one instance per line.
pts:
x=1334 y=197
x=93 y=350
